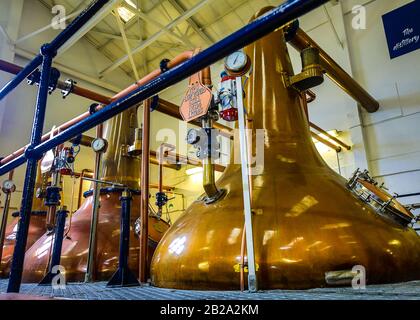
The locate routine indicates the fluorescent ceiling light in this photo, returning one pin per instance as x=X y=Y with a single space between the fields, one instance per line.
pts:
x=125 y=14
x=131 y=3
x=192 y=171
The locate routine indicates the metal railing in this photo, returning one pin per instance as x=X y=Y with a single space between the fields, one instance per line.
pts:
x=260 y=27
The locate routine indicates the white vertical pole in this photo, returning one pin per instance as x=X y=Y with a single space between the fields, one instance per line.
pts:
x=252 y=279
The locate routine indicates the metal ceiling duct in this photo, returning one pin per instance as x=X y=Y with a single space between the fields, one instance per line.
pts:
x=307 y=224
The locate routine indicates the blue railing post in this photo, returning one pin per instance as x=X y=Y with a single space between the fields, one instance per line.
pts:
x=30 y=175
x=124 y=277
x=57 y=246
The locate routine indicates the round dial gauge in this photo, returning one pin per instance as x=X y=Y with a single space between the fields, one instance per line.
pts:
x=236 y=62
x=8 y=186
x=99 y=145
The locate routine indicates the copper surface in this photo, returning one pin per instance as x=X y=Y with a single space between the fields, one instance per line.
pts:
x=305 y=221
x=75 y=246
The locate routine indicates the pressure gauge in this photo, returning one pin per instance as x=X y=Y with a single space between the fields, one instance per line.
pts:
x=99 y=145
x=8 y=186
x=237 y=63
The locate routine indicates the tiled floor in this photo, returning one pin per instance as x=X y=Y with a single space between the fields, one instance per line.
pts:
x=98 y=291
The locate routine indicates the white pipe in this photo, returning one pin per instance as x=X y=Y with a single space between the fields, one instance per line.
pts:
x=252 y=278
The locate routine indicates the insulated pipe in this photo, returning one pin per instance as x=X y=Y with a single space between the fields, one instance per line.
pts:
x=154 y=74
x=258 y=28
x=144 y=199
x=301 y=40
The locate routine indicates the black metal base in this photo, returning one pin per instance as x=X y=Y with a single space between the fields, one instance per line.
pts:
x=47 y=280
x=123 y=277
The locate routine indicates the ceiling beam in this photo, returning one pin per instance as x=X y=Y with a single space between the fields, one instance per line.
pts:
x=150 y=20
x=126 y=44
x=154 y=37
x=105 y=10
x=192 y=22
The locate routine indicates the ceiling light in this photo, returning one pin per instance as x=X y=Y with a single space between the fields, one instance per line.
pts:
x=125 y=14
x=192 y=171
x=131 y=3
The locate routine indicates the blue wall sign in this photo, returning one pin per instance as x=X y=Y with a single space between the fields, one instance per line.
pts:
x=402 y=29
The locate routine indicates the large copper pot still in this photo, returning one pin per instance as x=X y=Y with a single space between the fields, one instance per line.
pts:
x=117 y=166
x=306 y=222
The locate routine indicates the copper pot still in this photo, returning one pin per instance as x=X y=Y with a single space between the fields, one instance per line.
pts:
x=117 y=166
x=306 y=222
x=37 y=228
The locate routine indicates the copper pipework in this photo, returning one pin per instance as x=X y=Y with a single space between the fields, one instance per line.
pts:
x=301 y=41
x=326 y=142
x=154 y=74
x=77 y=90
x=47 y=136
x=341 y=143
x=144 y=200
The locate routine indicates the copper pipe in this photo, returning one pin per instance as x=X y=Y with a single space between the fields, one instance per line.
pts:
x=144 y=200
x=301 y=40
x=46 y=136
x=94 y=96
x=160 y=184
x=93 y=241
x=82 y=92
x=341 y=143
x=154 y=74
x=85 y=141
x=326 y=142
x=82 y=174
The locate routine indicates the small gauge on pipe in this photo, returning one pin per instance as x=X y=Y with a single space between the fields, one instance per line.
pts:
x=8 y=186
x=237 y=64
x=99 y=145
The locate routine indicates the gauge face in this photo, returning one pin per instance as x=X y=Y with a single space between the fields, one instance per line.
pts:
x=9 y=186
x=98 y=145
x=236 y=61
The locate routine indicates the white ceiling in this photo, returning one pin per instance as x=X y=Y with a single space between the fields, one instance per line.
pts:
x=215 y=20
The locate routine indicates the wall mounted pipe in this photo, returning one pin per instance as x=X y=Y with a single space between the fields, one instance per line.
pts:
x=253 y=31
x=77 y=90
x=341 y=143
x=301 y=40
